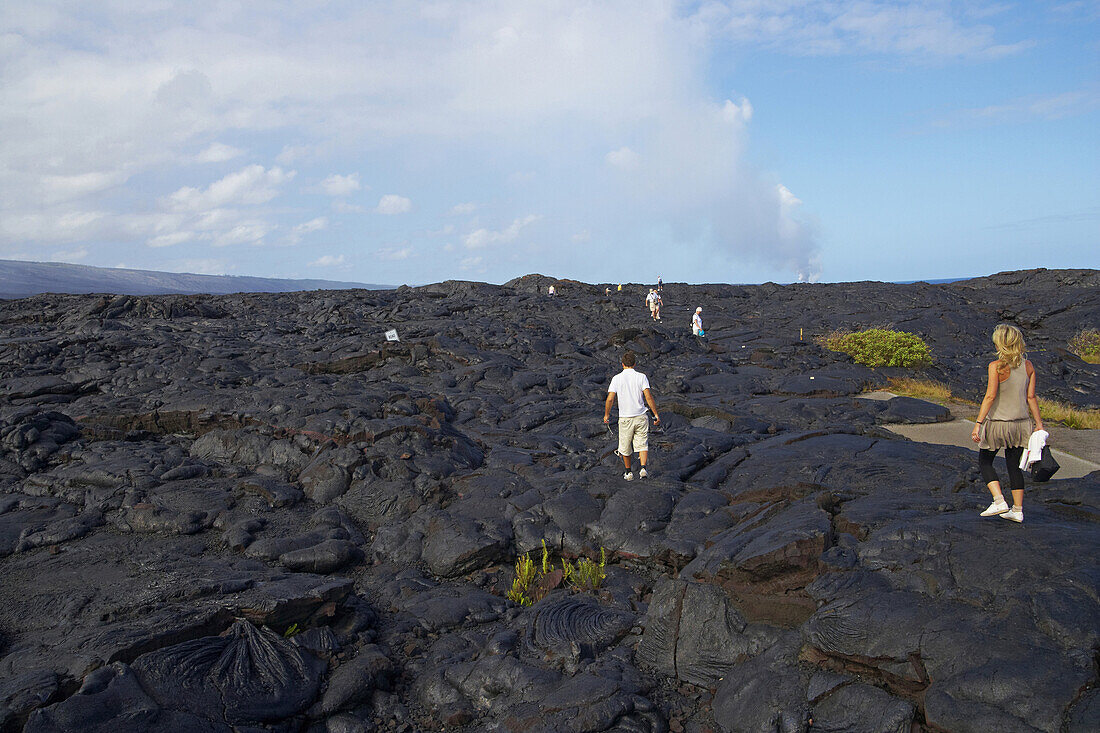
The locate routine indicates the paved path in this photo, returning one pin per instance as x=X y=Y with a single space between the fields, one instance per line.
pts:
x=1083 y=443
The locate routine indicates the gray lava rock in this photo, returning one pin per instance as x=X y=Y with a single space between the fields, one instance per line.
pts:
x=356 y=679
x=324 y=557
x=246 y=676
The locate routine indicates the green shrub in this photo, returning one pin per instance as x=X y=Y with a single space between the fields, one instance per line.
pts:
x=1086 y=344
x=878 y=347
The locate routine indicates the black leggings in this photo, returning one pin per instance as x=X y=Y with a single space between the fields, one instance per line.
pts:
x=1012 y=458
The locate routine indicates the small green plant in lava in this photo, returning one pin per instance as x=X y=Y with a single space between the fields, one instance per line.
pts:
x=532 y=582
x=586 y=574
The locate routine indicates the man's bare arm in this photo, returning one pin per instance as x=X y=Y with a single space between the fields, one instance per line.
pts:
x=607 y=406
x=652 y=404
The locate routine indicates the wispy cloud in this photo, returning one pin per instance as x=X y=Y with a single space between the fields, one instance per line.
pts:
x=251 y=185
x=484 y=237
x=313 y=225
x=825 y=27
x=624 y=158
x=392 y=254
x=393 y=204
x=328 y=261
x=338 y=185
x=218 y=153
x=169 y=240
x=71 y=255
x=1023 y=109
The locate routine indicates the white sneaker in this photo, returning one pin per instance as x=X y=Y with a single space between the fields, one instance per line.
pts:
x=628 y=476
x=999 y=506
x=642 y=473
x=1015 y=514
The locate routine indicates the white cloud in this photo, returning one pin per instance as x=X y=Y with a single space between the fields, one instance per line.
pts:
x=826 y=27
x=393 y=204
x=109 y=99
x=582 y=236
x=201 y=266
x=737 y=113
x=168 y=240
x=338 y=185
x=624 y=158
x=476 y=264
x=484 y=237
x=251 y=232
x=72 y=255
x=328 y=261
x=465 y=208
x=343 y=207
x=313 y=225
x=394 y=253
x=218 y=153
x=250 y=185
x=1036 y=107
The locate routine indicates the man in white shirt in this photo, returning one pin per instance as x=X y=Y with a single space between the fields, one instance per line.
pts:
x=651 y=301
x=697 y=322
x=631 y=388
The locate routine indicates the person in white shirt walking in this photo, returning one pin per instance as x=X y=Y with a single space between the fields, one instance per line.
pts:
x=631 y=387
x=697 y=322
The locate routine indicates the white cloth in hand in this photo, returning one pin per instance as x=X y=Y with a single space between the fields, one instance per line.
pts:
x=1034 y=450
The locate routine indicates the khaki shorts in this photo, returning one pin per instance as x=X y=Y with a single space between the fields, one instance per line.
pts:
x=633 y=434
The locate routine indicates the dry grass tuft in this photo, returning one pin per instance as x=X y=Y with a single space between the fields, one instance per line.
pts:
x=1068 y=415
x=832 y=341
x=922 y=389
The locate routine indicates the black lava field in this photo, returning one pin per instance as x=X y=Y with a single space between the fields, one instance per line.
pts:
x=253 y=513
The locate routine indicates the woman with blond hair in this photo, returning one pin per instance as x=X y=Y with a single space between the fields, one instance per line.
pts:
x=1003 y=420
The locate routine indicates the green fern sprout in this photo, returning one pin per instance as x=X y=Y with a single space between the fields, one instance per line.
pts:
x=291 y=630
x=525 y=573
x=547 y=566
x=586 y=574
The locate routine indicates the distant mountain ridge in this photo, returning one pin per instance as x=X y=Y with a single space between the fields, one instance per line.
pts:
x=20 y=279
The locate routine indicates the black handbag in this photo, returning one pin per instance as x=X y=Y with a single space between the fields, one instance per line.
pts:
x=1045 y=467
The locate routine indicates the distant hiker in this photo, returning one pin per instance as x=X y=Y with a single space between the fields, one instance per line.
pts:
x=651 y=301
x=697 y=322
x=1003 y=420
x=551 y=291
x=631 y=387
x=620 y=288
x=660 y=286
x=607 y=291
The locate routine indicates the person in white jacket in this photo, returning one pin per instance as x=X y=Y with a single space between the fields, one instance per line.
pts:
x=1004 y=422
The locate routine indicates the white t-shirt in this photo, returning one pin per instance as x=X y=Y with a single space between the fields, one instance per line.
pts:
x=628 y=386
x=697 y=322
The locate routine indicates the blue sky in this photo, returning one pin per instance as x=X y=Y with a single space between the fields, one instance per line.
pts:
x=405 y=142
